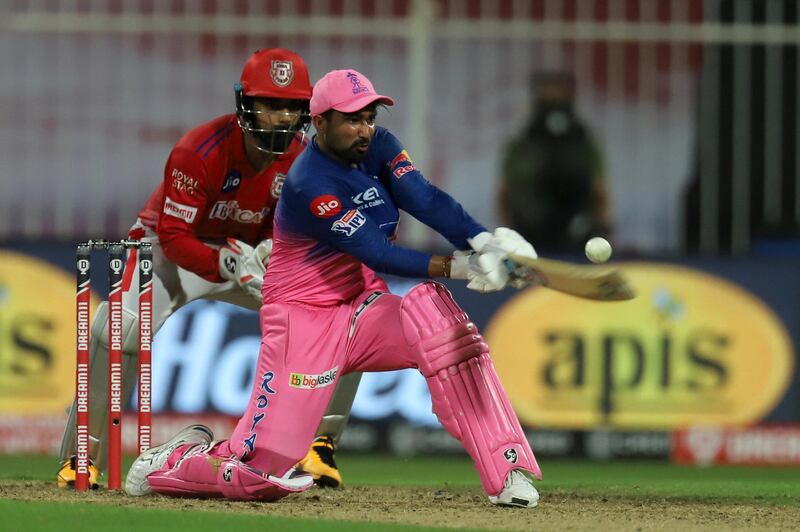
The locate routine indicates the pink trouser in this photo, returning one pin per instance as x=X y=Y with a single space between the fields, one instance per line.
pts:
x=305 y=350
x=318 y=346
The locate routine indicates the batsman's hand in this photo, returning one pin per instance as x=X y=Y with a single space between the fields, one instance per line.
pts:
x=245 y=265
x=482 y=272
x=487 y=272
x=499 y=245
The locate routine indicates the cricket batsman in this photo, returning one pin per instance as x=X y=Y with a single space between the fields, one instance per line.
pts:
x=210 y=226
x=322 y=319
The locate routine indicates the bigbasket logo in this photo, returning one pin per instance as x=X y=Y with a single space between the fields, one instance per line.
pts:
x=691 y=349
x=38 y=336
x=310 y=382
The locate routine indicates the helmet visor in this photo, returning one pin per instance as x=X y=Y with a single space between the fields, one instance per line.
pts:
x=273 y=123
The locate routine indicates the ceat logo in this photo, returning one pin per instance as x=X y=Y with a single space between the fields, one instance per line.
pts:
x=281 y=72
x=326 y=206
x=370 y=194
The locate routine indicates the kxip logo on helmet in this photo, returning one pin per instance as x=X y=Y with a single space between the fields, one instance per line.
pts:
x=281 y=72
x=510 y=455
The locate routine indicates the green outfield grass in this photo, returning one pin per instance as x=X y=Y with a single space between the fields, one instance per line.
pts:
x=630 y=480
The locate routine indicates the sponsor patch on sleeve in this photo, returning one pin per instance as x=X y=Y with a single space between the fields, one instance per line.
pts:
x=183 y=182
x=179 y=210
x=325 y=206
x=400 y=158
x=349 y=223
x=403 y=170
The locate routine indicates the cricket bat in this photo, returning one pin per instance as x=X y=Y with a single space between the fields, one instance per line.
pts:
x=601 y=283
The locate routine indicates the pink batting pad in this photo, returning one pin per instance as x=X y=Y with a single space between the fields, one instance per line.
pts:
x=240 y=482
x=190 y=471
x=201 y=472
x=467 y=395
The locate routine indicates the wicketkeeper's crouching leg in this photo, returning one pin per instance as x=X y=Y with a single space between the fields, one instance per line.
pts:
x=467 y=395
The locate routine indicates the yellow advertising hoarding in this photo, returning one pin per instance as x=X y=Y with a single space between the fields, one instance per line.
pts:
x=691 y=349
x=37 y=336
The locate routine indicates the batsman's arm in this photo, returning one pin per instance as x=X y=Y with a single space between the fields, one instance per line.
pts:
x=424 y=201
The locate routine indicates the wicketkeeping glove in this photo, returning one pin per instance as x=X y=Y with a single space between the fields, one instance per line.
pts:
x=245 y=265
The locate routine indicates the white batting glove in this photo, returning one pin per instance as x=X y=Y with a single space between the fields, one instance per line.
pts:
x=459 y=266
x=488 y=272
x=478 y=241
x=503 y=242
x=245 y=265
x=482 y=272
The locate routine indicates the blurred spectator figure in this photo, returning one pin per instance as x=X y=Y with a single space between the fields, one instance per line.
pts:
x=553 y=186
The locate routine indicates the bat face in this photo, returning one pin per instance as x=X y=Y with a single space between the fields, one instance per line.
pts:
x=601 y=283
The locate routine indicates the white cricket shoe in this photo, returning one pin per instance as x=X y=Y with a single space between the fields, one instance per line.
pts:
x=154 y=459
x=518 y=491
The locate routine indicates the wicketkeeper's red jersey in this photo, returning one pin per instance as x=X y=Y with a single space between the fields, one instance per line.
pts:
x=211 y=191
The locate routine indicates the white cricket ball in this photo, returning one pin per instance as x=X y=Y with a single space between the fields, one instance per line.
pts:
x=598 y=249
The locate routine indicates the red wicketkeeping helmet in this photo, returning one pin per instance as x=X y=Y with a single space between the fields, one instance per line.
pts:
x=278 y=74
